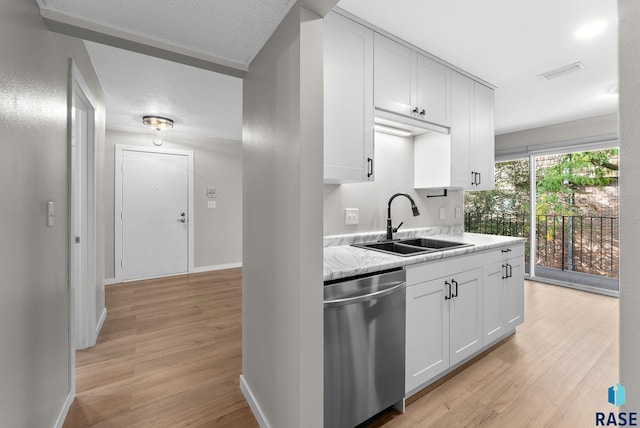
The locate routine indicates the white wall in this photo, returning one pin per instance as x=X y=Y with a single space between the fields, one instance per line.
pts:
x=394 y=173
x=629 y=66
x=282 y=318
x=34 y=258
x=217 y=163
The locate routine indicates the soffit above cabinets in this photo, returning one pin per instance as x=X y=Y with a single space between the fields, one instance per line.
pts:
x=231 y=31
x=508 y=44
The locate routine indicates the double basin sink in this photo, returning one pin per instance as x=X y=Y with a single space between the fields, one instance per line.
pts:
x=412 y=247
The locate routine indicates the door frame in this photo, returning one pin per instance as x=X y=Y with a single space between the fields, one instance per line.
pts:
x=82 y=296
x=119 y=149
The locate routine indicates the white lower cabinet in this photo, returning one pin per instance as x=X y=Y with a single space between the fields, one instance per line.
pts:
x=473 y=301
x=444 y=324
x=503 y=293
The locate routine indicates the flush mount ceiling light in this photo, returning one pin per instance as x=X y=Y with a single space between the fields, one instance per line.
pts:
x=576 y=66
x=590 y=30
x=158 y=123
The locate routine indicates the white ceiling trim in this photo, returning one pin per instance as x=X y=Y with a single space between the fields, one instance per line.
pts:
x=75 y=26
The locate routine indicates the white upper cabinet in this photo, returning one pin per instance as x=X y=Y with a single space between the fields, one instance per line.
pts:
x=348 y=101
x=483 y=146
x=395 y=76
x=411 y=84
x=433 y=91
x=465 y=158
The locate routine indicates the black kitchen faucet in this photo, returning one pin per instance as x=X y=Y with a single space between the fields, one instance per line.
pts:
x=390 y=229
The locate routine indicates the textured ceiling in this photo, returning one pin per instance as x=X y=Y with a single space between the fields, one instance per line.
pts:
x=199 y=101
x=234 y=30
x=508 y=43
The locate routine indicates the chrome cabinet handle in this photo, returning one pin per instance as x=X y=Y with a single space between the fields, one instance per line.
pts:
x=183 y=220
x=369 y=167
x=448 y=295
x=423 y=112
x=454 y=282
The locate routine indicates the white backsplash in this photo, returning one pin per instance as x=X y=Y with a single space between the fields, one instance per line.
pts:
x=393 y=174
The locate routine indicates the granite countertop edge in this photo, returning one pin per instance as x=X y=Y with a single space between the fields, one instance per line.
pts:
x=341 y=260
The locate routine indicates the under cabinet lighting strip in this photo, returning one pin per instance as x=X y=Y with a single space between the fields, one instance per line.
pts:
x=392 y=131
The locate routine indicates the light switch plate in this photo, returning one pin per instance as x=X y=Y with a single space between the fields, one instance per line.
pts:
x=51 y=212
x=211 y=192
x=443 y=213
x=351 y=216
x=211 y=204
x=458 y=213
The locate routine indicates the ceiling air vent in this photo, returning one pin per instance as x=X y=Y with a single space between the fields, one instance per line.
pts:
x=576 y=66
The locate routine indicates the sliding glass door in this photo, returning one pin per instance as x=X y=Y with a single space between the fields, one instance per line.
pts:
x=569 y=215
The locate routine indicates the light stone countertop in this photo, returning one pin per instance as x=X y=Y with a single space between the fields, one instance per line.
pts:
x=341 y=260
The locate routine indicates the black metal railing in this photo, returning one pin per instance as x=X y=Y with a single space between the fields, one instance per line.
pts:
x=585 y=244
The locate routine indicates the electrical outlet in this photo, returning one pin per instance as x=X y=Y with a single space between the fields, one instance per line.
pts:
x=443 y=213
x=351 y=216
x=211 y=204
x=458 y=212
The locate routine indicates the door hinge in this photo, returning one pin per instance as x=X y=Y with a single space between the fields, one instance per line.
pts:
x=121 y=265
x=121 y=217
x=77 y=239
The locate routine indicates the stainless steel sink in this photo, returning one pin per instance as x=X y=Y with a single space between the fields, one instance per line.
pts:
x=412 y=247
x=435 y=244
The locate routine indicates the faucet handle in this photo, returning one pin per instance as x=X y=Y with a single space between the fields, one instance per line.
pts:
x=395 y=229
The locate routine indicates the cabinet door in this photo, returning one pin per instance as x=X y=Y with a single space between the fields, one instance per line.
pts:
x=462 y=90
x=395 y=70
x=433 y=92
x=483 y=147
x=465 y=319
x=514 y=293
x=427 y=332
x=348 y=101
x=493 y=295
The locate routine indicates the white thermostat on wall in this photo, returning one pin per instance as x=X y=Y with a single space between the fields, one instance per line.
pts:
x=211 y=192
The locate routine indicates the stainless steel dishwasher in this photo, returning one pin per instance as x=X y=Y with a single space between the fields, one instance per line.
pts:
x=364 y=341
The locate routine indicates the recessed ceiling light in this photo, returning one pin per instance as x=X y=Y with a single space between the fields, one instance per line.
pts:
x=590 y=30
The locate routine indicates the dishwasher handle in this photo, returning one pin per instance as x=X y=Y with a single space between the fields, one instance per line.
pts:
x=366 y=297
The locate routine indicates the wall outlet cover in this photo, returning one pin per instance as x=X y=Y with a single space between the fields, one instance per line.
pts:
x=351 y=216
x=211 y=192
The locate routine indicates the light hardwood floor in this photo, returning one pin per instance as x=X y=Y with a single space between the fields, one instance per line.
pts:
x=169 y=355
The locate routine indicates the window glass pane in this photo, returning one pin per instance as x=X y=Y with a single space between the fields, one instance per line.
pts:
x=504 y=210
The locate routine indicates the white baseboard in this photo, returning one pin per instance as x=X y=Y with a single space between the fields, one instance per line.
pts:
x=103 y=316
x=110 y=281
x=216 y=267
x=65 y=410
x=255 y=407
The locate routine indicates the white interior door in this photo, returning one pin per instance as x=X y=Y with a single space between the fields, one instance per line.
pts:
x=155 y=214
x=82 y=210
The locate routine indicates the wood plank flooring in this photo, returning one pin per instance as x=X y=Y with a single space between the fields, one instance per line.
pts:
x=169 y=355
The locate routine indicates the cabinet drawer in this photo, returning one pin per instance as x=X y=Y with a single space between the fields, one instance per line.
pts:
x=505 y=253
x=441 y=268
